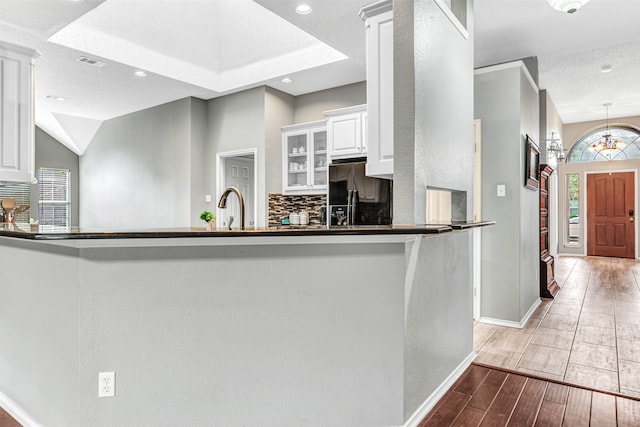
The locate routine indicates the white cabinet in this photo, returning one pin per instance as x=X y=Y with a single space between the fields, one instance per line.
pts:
x=346 y=132
x=378 y=19
x=304 y=158
x=16 y=113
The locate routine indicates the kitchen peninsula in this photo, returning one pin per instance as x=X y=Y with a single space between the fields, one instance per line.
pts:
x=288 y=327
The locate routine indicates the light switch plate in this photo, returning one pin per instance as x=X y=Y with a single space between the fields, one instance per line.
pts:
x=502 y=190
x=207 y=198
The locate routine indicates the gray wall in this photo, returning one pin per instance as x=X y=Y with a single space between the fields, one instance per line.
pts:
x=237 y=122
x=433 y=137
x=507 y=104
x=164 y=158
x=529 y=203
x=189 y=349
x=51 y=154
x=433 y=108
x=310 y=107
x=40 y=331
x=198 y=166
x=279 y=111
x=137 y=171
x=202 y=336
x=550 y=121
x=438 y=314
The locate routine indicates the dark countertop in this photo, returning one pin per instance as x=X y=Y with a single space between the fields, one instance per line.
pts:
x=26 y=231
x=463 y=225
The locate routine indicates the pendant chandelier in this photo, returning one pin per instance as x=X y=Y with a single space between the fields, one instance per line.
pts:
x=607 y=146
x=568 y=6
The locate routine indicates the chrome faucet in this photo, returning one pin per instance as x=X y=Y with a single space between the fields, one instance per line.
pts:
x=222 y=204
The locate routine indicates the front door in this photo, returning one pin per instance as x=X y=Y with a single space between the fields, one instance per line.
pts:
x=610 y=215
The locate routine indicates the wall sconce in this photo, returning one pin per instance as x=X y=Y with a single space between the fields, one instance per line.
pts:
x=554 y=147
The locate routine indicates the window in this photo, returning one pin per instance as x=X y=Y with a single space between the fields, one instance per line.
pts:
x=21 y=194
x=54 y=197
x=573 y=212
x=581 y=152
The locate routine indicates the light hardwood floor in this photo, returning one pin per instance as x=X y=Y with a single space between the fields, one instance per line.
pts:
x=589 y=335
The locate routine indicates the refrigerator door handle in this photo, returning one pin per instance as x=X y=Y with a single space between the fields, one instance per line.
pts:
x=354 y=207
x=349 y=207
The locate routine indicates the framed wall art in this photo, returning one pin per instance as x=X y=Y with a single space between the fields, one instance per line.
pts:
x=531 y=165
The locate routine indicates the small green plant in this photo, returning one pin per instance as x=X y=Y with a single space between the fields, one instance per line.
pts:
x=207 y=216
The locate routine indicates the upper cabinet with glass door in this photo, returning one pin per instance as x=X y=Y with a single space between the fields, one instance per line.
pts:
x=304 y=158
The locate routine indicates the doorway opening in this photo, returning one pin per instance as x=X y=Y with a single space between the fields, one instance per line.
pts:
x=238 y=169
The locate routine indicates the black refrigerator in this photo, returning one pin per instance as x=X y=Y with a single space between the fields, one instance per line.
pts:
x=357 y=199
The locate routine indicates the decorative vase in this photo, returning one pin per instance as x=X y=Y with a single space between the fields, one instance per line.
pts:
x=208 y=226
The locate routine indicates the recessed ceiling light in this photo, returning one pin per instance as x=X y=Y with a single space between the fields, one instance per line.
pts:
x=56 y=98
x=568 y=6
x=606 y=68
x=304 y=9
x=140 y=73
x=286 y=80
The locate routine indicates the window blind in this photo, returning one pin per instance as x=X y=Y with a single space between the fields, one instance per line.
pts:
x=54 y=196
x=21 y=192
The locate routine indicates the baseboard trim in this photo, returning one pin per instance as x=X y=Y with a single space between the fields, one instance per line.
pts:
x=18 y=414
x=416 y=418
x=511 y=323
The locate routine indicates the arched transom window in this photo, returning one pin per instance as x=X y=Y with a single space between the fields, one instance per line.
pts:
x=582 y=150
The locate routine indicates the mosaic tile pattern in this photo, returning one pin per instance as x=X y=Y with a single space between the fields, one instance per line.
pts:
x=280 y=206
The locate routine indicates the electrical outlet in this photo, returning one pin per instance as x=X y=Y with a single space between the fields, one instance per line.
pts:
x=106 y=384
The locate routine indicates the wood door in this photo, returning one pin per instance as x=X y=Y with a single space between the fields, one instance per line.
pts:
x=610 y=204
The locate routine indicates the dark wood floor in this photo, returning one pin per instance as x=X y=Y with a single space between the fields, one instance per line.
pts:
x=485 y=396
x=7 y=421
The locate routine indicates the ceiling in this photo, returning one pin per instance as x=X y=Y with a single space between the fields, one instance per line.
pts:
x=209 y=48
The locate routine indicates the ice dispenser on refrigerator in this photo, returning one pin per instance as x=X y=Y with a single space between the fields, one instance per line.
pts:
x=357 y=199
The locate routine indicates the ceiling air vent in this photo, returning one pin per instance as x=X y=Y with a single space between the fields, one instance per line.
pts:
x=91 y=61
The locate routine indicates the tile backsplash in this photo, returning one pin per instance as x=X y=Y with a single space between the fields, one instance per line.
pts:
x=281 y=205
